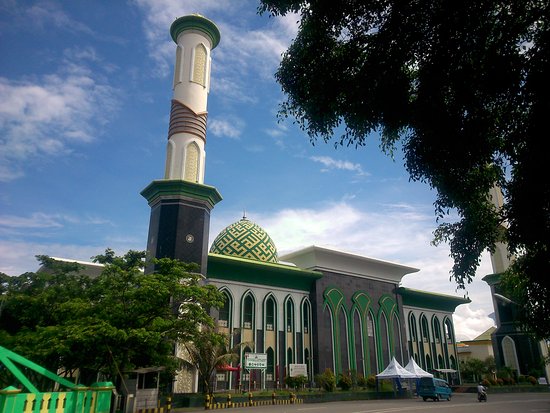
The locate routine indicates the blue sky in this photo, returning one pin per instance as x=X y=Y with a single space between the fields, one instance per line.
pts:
x=85 y=93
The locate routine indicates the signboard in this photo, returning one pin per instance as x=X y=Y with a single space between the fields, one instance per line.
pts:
x=298 y=370
x=255 y=361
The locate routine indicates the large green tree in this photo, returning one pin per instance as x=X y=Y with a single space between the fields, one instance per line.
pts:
x=462 y=88
x=118 y=321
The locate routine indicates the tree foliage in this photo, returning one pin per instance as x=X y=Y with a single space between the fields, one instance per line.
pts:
x=211 y=349
x=462 y=88
x=121 y=320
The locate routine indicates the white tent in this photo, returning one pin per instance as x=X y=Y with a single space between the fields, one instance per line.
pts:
x=395 y=371
x=415 y=369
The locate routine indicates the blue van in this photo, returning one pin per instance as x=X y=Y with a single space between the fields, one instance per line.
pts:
x=435 y=389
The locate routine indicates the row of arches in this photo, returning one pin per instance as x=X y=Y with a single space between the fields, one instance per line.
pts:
x=431 y=342
x=364 y=338
x=276 y=324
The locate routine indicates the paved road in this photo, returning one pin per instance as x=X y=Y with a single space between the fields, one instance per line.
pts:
x=460 y=403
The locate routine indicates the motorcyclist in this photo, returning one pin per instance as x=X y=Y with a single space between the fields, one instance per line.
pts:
x=481 y=391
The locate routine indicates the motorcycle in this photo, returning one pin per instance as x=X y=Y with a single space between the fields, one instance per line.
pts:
x=482 y=397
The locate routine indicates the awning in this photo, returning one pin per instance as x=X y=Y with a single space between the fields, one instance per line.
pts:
x=226 y=367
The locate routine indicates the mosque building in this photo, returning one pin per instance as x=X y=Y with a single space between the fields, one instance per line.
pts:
x=312 y=309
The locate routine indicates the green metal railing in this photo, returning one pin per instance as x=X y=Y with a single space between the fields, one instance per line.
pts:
x=76 y=398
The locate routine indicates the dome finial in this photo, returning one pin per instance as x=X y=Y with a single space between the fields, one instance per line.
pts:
x=244 y=213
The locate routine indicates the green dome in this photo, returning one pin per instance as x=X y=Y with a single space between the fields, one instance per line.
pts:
x=245 y=239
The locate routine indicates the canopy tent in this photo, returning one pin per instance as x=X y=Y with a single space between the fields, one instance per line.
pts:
x=395 y=371
x=415 y=369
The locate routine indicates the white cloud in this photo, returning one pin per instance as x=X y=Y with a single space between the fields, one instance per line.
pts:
x=49 y=115
x=230 y=127
x=48 y=13
x=243 y=50
x=331 y=163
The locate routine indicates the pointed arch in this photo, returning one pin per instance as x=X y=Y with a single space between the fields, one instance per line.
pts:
x=178 y=72
x=449 y=330
x=225 y=318
x=170 y=147
x=248 y=317
x=510 y=354
x=270 y=312
x=385 y=345
x=436 y=328
x=424 y=329
x=200 y=61
x=270 y=371
x=359 y=330
x=372 y=335
x=397 y=339
x=192 y=160
x=290 y=315
x=289 y=320
x=334 y=301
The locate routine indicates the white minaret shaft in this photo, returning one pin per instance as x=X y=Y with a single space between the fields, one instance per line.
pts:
x=500 y=258
x=195 y=37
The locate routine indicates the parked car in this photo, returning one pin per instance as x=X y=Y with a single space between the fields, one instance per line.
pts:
x=435 y=389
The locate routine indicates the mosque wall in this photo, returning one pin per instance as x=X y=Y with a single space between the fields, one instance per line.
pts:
x=358 y=324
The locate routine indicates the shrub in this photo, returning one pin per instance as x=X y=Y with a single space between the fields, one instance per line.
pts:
x=326 y=380
x=522 y=379
x=485 y=383
x=371 y=381
x=361 y=381
x=345 y=382
x=500 y=382
x=295 y=382
x=532 y=380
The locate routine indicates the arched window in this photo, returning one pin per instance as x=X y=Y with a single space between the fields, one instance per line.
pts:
x=424 y=329
x=440 y=362
x=428 y=363
x=199 y=67
x=191 y=173
x=305 y=316
x=270 y=371
x=248 y=312
x=289 y=316
x=224 y=319
x=289 y=356
x=413 y=333
x=448 y=331
x=270 y=314
x=437 y=330
x=453 y=362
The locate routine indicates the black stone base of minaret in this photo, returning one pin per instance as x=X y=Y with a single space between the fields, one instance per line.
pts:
x=180 y=221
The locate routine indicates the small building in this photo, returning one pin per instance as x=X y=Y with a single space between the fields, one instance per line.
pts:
x=479 y=348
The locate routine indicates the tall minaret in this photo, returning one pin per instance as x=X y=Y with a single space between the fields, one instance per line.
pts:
x=181 y=202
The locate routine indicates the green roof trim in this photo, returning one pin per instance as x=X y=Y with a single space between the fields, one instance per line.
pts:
x=232 y=268
x=195 y=22
x=492 y=279
x=432 y=301
x=166 y=188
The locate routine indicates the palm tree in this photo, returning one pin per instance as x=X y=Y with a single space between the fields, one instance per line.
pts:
x=209 y=350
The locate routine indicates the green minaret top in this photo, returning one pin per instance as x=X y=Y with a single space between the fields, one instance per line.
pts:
x=196 y=22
